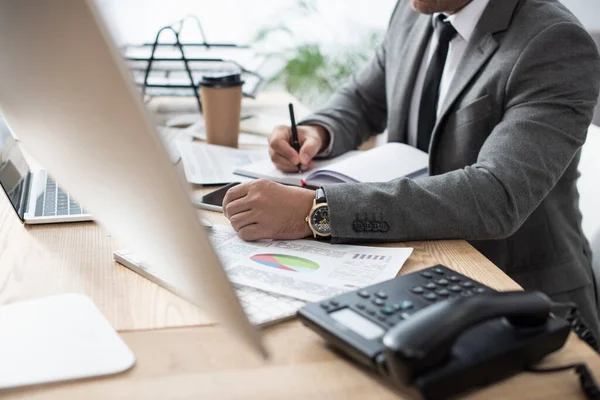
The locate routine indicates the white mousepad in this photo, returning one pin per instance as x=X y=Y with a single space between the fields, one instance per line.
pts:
x=58 y=338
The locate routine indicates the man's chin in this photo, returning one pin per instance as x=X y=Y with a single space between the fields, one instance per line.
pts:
x=423 y=7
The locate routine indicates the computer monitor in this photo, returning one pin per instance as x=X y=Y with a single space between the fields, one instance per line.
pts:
x=68 y=97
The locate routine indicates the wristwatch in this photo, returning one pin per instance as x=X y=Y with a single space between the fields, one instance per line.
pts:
x=318 y=217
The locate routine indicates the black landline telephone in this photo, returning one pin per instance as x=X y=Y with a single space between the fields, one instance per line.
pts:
x=442 y=332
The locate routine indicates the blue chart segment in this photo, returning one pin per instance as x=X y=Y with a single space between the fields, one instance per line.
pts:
x=359 y=256
x=286 y=262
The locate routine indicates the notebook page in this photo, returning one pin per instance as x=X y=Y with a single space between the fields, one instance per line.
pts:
x=266 y=169
x=381 y=164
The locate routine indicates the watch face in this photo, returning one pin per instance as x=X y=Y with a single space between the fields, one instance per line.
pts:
x=319 y=220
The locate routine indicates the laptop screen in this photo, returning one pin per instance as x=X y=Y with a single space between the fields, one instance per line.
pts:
x=14 y=170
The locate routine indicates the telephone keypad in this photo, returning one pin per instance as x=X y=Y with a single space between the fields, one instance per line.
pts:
x=392 y=302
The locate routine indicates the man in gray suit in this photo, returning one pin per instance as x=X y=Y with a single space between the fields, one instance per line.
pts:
x=500 y=93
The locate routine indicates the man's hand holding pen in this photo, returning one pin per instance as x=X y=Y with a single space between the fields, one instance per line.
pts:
x=313 y=139
x=262 y=209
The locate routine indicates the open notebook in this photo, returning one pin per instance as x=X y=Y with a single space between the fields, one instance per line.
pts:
x=381 y=164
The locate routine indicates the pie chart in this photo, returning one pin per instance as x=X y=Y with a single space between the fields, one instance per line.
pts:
x=286 y=262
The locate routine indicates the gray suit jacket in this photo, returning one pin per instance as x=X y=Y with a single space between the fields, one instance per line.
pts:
x=504 y=152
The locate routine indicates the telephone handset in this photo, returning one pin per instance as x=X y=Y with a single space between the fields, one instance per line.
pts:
x=426 y=340
x=439 y=331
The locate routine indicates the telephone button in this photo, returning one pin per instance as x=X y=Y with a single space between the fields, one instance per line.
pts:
x=438 y=271
x=378 y=302
x=360 y=306
x=431 y=286
x=418 y=290
x=406 y=305
x=370 y=311
x=468 y=284
x=467 y=293
x=388 y=310
x=455 y=288
x=381 y=295
x=426 y=274
x=431 y=296
x=454 y=278
x=442 y=292
x=364 y=294
x=442 y=282
x=479 y=290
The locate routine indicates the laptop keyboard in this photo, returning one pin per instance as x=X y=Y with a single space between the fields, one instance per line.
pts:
x=56 y=202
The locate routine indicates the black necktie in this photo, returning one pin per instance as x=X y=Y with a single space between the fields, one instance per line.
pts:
x=431 y=87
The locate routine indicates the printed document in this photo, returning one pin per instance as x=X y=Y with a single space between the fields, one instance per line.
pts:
x=207 y=164
x=304 y=269
x=301 y=269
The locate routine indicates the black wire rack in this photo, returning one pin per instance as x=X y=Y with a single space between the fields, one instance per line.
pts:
x=174 y=68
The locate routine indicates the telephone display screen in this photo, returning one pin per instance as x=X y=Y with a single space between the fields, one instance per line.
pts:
x=357 y=323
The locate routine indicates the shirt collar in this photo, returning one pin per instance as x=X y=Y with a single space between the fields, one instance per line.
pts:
x=466 y=19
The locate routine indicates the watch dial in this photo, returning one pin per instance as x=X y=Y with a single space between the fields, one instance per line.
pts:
x=319 y=220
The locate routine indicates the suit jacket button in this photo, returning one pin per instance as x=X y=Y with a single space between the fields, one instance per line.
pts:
x=358 y=225
x=368 y=226
x=376 y=226
x=383 y=226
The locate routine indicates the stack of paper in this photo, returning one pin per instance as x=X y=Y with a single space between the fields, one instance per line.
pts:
x=207 y=164
x=302 y=269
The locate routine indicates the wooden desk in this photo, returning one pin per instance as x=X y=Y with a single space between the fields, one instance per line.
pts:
x=203 y=361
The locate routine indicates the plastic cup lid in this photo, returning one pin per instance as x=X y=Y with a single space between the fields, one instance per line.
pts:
x=222 y=80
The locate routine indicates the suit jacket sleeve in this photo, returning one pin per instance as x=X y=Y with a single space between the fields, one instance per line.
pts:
x=549 y=100
x=358 y=110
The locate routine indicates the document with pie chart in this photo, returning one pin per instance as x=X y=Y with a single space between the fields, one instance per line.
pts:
x=310 y=270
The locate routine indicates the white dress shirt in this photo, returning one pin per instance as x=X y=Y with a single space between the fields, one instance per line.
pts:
x=464 y=22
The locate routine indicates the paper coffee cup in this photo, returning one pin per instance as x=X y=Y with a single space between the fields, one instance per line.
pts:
x=221 y=97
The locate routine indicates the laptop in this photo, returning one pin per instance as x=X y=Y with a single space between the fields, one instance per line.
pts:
x=60 y=74
x=35 y=196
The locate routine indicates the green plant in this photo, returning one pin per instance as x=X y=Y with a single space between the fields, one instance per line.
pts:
x=310 y=72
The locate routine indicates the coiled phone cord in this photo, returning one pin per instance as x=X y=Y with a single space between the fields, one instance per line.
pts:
x=586 y=379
